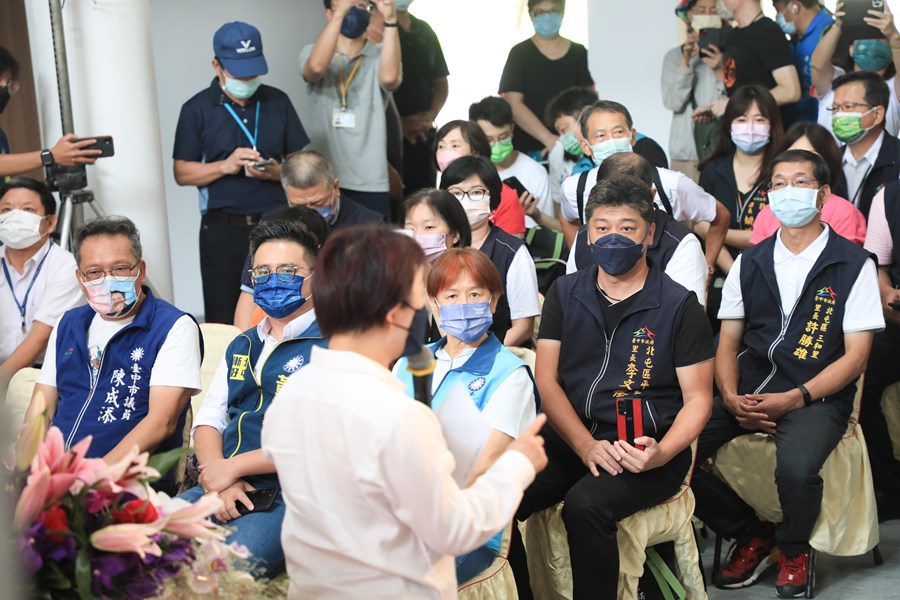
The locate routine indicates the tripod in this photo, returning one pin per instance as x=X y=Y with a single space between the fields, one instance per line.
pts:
x=71 y=211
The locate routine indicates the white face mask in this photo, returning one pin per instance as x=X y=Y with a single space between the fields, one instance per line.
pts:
x=699 y=22
x=20 y=229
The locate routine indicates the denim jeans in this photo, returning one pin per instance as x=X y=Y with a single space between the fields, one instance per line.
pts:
x=260 y=532
x=472 y=563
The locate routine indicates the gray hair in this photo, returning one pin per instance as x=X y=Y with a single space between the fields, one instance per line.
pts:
x=607 y=106
x=306 y=169
x=114 y=225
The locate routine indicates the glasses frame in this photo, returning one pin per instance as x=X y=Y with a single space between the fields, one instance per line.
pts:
x=280 y=276
x=103 y=273
x=770 y=186
x=834 y=108
x=486 y=195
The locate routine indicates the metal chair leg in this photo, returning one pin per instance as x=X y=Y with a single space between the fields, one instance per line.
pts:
x=876 y=555
x=717 y=556
x=811 y=574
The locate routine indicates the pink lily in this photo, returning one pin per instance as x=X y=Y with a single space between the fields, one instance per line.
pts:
x=32 y=435
x=128 y=537
x=32 y=499
x=128 y=474
x=66 y=468
x=190 y=520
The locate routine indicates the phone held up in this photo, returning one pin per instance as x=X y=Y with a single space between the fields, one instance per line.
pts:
x=630 y=420
x=103 y=143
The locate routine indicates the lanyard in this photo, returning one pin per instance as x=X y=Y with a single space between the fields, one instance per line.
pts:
x=345 y=85
x=24 y=303
x=253 y=138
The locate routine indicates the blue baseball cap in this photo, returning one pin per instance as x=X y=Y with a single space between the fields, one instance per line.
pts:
x=238 y=46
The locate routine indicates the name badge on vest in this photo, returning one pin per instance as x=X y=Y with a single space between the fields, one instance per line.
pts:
x=343 y=119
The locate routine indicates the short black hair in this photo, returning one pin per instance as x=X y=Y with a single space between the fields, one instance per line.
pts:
x=464 y=167
x=447 y=207
x=283 y=230
x=109 y=226
x=8 y=63
x=470 y=131
x=876 y=90
x=820 y=167
x=569 y=102
x=822 y=142
x=628 y=164
x=608 y=106
x=38 y=187
x=307 y=219
x=533 y=3
x=493 y=109
x=621 y=191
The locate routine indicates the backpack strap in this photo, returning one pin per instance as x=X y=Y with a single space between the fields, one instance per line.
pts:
x=579 y=194
x=657 y=182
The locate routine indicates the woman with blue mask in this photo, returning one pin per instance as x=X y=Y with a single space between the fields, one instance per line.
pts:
x=537 y=70
x=463 y=288
x=873 y=55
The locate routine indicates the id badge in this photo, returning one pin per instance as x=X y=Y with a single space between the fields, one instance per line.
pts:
x=343 y=119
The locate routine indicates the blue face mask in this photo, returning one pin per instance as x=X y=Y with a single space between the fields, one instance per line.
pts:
x=277 y=298
x=467 y=322
x=617 y=254
x=872 y=55
x=242 y=89
x=547 y=25
x=355 y=23
x=793 y=206
x=327 y=213
x=788 y=28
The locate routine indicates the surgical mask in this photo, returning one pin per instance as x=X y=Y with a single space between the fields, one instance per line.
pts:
x=793 y=206
x=4 y=97
x=699 y=22
x=241 y=89
x=848 y=127
x=547 y=25
x=467 y=322
x=417 y=330
x=617 y=254
x=277 y=298
x=603 y=150
x=501 y=150
x=20 y=229
x=571 y=144
x=872 y=55
x=433 y=244
x=788 y=28
x=445 y=157
x=327 y=213
x=477 y=212
x=355 y=23
x=403 y=5
x=99 y=295
x=726 y=13
x=750 y=138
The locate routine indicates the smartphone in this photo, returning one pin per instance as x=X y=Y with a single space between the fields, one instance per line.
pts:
x=104 y=144
x=260 y=165
x=630 y=420
x=855 y=11
x=515 y=184
x=895 y=304
x=720 y=38
x=262 y=501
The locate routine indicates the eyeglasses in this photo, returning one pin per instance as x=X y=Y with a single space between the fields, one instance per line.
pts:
x=283 y=273
x=473 y=195
x=539 y=12
x=118 y=272
x=798 y=182
x=848 y=107
x=500 y=139
x=13 y=87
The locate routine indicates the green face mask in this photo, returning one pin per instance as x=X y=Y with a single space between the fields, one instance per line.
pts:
x=500 y=151
x=848 y=128
x=570 y=144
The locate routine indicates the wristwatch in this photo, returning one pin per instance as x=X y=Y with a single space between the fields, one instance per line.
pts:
x=47 y=157
x=807 y=399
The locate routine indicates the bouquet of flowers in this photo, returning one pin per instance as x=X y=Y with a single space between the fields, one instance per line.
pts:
x=88 y=529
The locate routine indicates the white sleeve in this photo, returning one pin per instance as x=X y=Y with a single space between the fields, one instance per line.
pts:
x=863 y=311
x=556 y=171
x=511 y=407
x=522 y=286
x=61 y=294
x=691 y=202
x=568 y=205
x=214 y=411
x=47 y=376
x=732 y=301
x=688 y=267
x=178 y=361
x=571 y=265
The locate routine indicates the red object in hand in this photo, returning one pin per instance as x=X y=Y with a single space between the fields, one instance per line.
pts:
x=630 y=420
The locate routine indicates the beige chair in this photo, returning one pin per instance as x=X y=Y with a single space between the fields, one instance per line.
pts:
x=18 y=395
x=216 y=337
x=548 y=549
x=526 y=355
x=497 y=581
x=890 y=406
x=848 y=522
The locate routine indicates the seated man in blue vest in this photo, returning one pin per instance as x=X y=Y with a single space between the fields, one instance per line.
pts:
x=616 y=339
x=121 y=370
x=799 y=312
x=674 y=248
x=255 y=367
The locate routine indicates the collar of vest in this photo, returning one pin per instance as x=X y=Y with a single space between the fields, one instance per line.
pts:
x=482 y=360
x=488 y=246
x=311 y=332
x=585 y=290
x=764 y=257
x=887 y=154
x=143 y=319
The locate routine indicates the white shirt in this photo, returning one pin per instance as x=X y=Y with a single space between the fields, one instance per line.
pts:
x=372 y=510
x=687 y=266
x=177 y=363
x=863 y=309
x=55 y=291
x=690 y=202
x=826 y=101
x=559 y=169
x=856 y=170
x=521 y=286
x=214 y=411
x=534 y=177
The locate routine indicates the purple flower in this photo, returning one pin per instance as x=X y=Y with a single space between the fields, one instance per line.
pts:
x=30 y=543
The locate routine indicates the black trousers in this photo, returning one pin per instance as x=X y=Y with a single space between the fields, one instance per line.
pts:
x=881 y=372
x=593 y=505
x=803 y=440
x=224 y=243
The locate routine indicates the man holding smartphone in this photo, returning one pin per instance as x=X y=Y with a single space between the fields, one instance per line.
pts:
x=230 y=141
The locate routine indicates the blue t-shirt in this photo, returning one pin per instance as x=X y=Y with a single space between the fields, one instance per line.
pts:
x=807 y=109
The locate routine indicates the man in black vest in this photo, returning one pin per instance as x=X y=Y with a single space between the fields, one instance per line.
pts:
x=799 y=311
x=620 y=337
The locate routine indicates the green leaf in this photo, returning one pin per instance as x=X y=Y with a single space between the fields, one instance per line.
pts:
x=52 y=577
x=83 y=574
x=165 y=461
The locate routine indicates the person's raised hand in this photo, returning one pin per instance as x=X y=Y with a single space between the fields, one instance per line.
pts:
x=602 y=454
x=339 y=8
x=68 y=153
x=884 y=22
x=216 y=475
x=839 y=15
x=388 y=10
x=529 y=204
x=712 y=57
x=638 y=461
x=889 y=297
x=531 y=444
x=240 y=157
x=230 y=496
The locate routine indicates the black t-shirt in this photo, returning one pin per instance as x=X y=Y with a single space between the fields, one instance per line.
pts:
x=423 y=62
x=756 y=51
x=539 y=79
x=693 y=334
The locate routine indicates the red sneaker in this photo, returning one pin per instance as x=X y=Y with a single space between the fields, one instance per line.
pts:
x=746 y=562
x=793 y=574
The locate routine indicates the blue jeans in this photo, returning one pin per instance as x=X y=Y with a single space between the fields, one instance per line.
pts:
x=471 y=564
x=260 y=532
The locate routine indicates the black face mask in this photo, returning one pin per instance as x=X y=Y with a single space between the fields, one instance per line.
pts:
x=4 y=97
x=418 y=329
